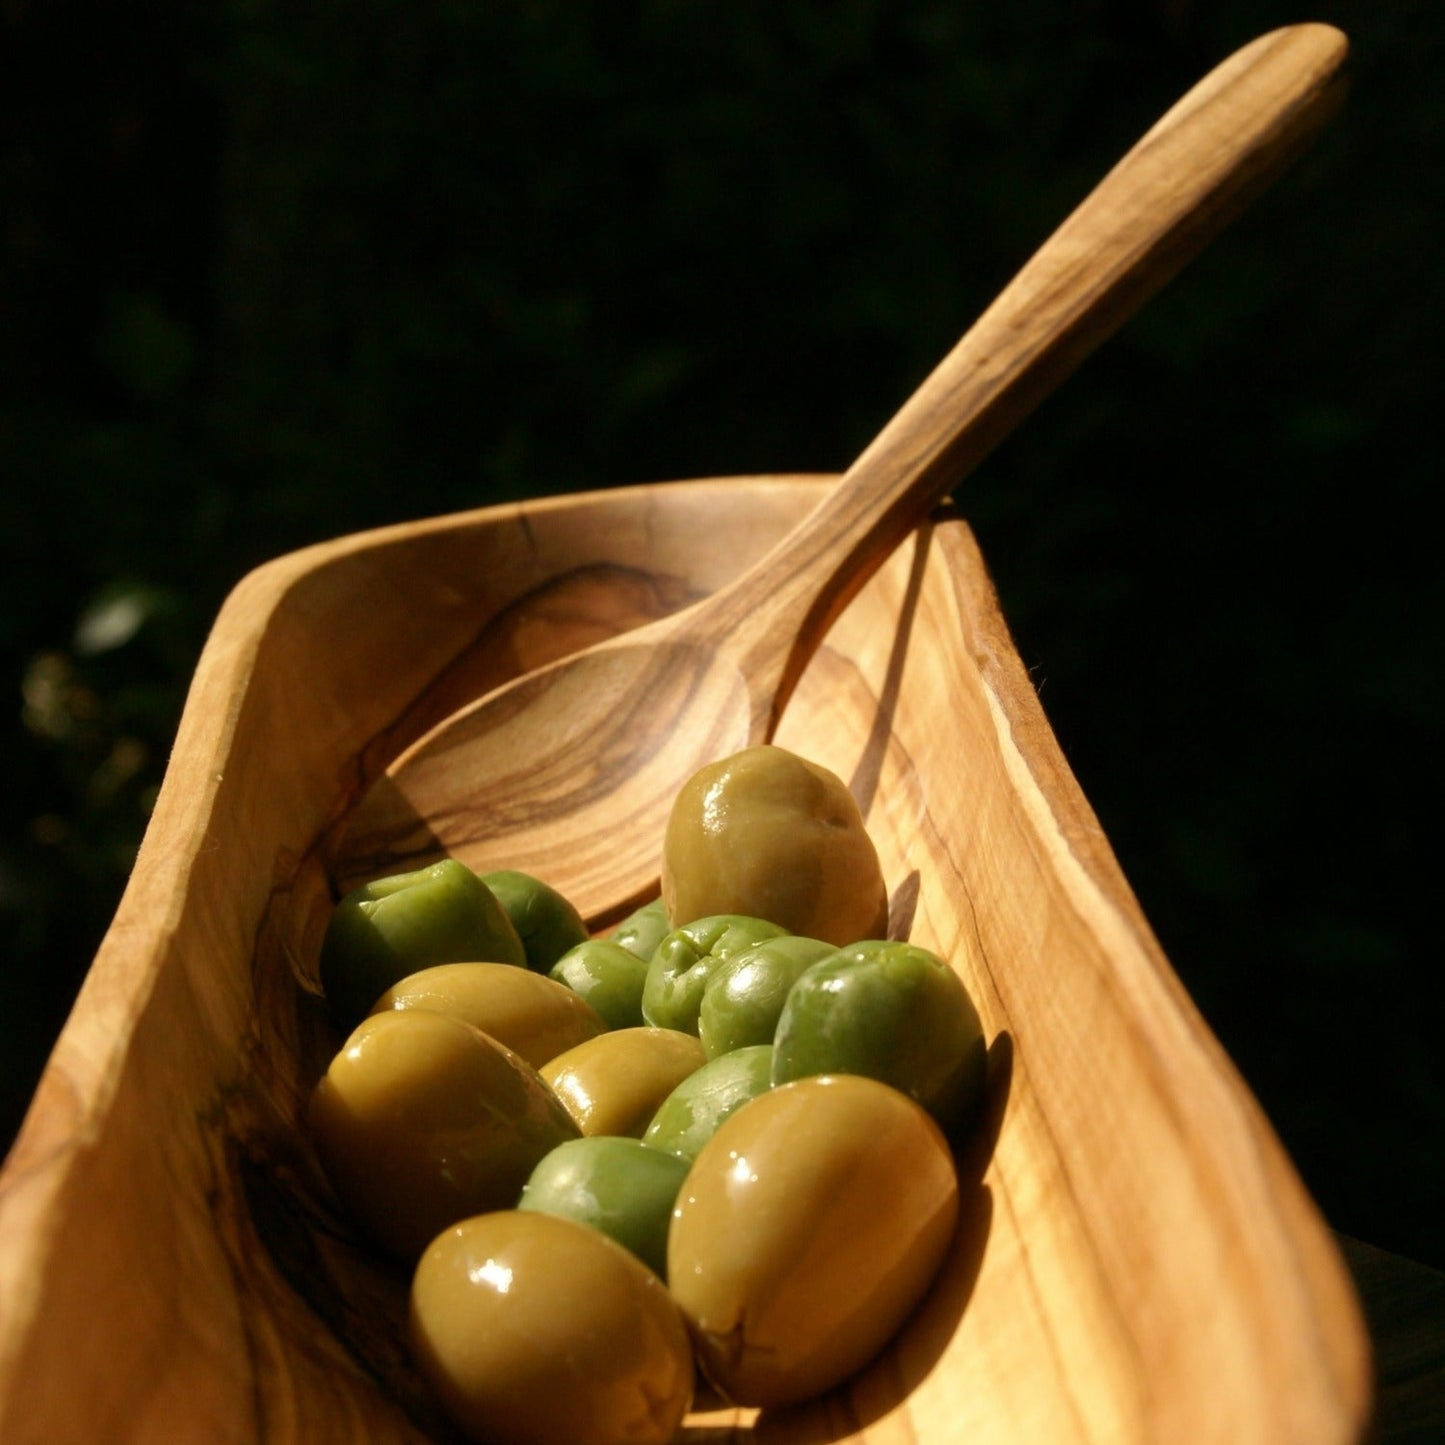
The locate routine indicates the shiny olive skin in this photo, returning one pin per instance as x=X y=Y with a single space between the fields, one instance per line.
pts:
x=536 y=1330
x=534 y=1016
x=682 y=963
x=643 y=929
x=394 y=926
x=692 y=1113
x=608 y=976
x=769 y=834
x=743 y=998
x=422 y=1120
x=546 y=922
x=893 y=1011
x=614 y=1084
x=620 y=1186
x=808 y=1229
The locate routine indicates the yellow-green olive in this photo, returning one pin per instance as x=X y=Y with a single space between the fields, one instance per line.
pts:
x=695 y=1109
x=743 y=999
x=422 y=1120
x=620 y=1186
x=533 y=1015
x=396 y=925
x=609 y=976
x=547 y=923
x=684 y=961
x=808 y=1229
x=537 y=1330
x=643 y=929
x=613 y=1084
x=769 y=834
x=894 y=1011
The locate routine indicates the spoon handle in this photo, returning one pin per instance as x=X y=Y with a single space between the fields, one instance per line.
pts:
x=1199 y=165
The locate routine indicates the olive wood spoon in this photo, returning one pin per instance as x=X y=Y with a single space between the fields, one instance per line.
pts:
x=569 y=772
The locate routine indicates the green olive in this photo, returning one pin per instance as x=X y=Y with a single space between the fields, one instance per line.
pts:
x=691 y=1114
x=613 y=1084
x=537 y=1330
x=534 y=1016
x=394 y=926
x=682 y=963
x=620 y=1186
x=546 y=922
x=743 y=998
x=770 y=834
x=808 y=1229
x=643 y=929
x=422 y=1119
x=608 y=976
x=893 y=1011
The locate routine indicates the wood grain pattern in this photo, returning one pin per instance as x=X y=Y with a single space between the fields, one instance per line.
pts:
x=513 y=778
x=1137 y=1262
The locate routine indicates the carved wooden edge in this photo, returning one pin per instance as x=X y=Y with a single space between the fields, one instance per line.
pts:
x=1326 y=1302
x=94 y=1117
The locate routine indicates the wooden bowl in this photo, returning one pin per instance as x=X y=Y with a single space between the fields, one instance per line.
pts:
x=1137 y=1261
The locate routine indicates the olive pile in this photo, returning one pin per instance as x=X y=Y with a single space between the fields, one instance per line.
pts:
x=716 y=1138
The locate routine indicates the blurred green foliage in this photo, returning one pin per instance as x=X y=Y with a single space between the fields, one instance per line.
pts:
x=273 y=273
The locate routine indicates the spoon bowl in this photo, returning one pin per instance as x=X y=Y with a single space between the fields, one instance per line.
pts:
x=537 y=774
x=670 y=705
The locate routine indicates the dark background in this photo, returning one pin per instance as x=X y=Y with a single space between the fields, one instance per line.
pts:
x=274 y=273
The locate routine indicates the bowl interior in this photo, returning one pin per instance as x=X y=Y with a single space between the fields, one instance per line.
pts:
x=1136 y=1259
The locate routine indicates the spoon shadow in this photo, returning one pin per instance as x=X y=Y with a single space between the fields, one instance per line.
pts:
x=863 y=783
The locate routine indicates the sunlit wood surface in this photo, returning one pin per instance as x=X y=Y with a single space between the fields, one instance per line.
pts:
x=1137 y=1261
